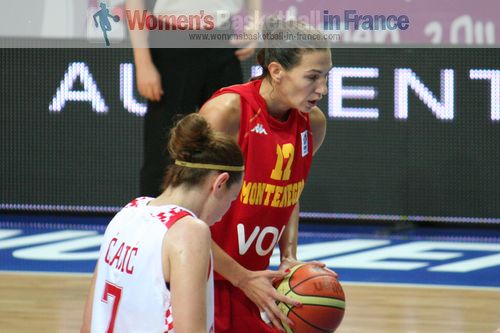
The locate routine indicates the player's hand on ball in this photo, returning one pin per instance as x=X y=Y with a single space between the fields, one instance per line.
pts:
x=322 y=296
x=322 y=265
x=257 y=286
x=289 y=263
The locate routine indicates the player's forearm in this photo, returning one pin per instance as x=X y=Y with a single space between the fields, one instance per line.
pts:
x=290 y=236
x=253 y=7
x=87 y=313
x=254 y=10
x=189 y=261
x=226 y=266
x=142 y=56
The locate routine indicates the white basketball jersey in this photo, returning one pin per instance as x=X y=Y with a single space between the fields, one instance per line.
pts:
x=130 y=291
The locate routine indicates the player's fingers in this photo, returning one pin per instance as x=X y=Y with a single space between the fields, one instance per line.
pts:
x=158 y=85
x=276 y=323
x=278 y=317
x=284 y=299
x=333 y=272
x=141 y=90
x=323 y=265
x=157 y=92
x=318 y=263
x=276 y=280
x=272 y=275
x=271 y=319
x=145 y=92
x=149 y=92
x=264 y=317
x=276 y=274
x=280 y=277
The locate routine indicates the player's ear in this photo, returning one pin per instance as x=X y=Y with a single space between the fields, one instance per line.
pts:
x=276 y=71
x=219 y=184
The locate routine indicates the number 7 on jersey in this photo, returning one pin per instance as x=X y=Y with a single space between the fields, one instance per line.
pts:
x=116 y=292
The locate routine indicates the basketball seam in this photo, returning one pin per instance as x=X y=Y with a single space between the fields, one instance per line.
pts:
x=313 y=277
x=309 y=278
x=325 y=305
x=308 y=323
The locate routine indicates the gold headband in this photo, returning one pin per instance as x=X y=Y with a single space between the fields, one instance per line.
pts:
x=218 y=167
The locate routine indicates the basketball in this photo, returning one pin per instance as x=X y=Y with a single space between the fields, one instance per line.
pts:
x=116 y=18
x=321 y=295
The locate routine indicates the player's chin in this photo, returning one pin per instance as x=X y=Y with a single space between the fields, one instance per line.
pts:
x=307 y=106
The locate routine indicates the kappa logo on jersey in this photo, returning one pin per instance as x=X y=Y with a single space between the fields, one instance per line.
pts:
x=259 y=129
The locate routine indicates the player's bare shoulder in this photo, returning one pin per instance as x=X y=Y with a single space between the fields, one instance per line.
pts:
x=188 y=234
x=190 y=226
x=223 y=113
x=317 y=117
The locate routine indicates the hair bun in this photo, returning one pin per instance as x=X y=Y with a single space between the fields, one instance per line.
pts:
x=190 y=136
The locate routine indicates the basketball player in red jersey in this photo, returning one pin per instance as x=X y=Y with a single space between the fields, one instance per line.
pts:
x=279 y=127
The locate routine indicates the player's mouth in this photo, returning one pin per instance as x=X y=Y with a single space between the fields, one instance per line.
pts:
x=312 y=103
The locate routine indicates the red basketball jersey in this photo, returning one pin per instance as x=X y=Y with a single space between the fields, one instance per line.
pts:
x=278 y=157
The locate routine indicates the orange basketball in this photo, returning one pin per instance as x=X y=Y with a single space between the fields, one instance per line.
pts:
x=321 y=295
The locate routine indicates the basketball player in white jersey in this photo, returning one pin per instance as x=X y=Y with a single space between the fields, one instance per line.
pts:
x=155 y=272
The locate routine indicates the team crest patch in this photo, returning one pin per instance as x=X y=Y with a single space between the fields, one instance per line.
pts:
x=305 y=143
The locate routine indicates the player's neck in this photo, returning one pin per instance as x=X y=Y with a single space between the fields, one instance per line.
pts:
x=276 y=107
x=191 y=199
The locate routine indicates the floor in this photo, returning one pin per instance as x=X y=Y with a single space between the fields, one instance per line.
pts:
x=396 y=278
